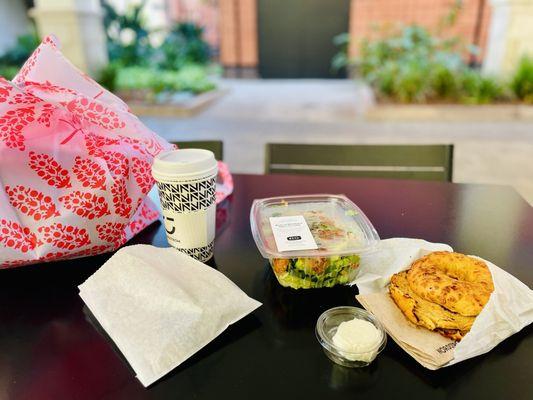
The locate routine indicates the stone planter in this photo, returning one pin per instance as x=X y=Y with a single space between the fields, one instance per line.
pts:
x=449 y=112
x=178 y=105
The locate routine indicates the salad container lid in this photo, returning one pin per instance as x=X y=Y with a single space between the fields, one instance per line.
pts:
x=336 y=224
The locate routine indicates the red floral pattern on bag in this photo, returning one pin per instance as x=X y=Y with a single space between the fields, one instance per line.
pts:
x=46 y=86
x=117 y=163
x=112 y=232
x=27 y=67
x=31 y=202
x=24 y=99
x=141 y=170
x=85 y=204
x=5 y=89
x=45 y=116
x=137 y=225
x=66 y=237
x=15 y=263
x=145 y=216
x=90 y=251
x=135 y=144
x=11 y=125
x=148 y=213
x=89 y=173
x=60 y=255
x=121 y=200
x=49 y=170
x=94 y=143
x=94 y=112
x=74 y=127
x=153 y=147
x=75 y=124
x=142 y=146
x=15 y=236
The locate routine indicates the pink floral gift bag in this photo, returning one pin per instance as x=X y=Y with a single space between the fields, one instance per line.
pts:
x=74 y=164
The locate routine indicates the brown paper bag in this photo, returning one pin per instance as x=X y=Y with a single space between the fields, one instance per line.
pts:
x=429 y=348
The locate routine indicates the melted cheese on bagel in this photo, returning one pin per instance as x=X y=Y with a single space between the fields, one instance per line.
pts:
x=454 y=281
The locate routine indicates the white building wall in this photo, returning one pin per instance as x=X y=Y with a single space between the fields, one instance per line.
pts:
x=510 y=36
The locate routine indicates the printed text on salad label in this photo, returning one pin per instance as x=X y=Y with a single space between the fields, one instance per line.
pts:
x=292 y=233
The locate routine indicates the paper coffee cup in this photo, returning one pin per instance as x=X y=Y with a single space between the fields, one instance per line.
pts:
x=186 y=182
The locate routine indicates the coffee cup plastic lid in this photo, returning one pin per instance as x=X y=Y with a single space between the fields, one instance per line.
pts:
x=184 y=162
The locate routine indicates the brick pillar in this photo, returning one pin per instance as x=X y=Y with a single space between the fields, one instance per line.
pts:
x=238 y=37
x=352 y=30
x=510 y=37
x=78 y=26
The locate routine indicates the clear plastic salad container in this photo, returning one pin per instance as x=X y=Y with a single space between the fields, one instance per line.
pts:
x=341 y=233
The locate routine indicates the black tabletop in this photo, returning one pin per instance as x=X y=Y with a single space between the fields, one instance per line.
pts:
x=50 y=348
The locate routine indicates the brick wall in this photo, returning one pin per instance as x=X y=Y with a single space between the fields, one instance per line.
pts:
x=231 y=25
x=368 y=17
x=238 y=33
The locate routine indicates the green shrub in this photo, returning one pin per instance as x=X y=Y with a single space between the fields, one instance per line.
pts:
x=12 y=59
x=341 y=59
x=414 y=66
x=183 y=45
x=135 y=78
x=190 y=78
x=522 y=81
x=444 y=83
x=137 y=50
x=180 y=63
x=478 y=89
x=108 y=75
x=8 y=71
x=19 y=53
x=411 y=83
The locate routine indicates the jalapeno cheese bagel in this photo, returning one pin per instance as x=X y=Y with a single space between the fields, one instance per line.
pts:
x=443 y=292
x=455 y=281
x=426 y=313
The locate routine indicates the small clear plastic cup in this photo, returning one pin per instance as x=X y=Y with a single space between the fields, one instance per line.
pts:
x=327 y=325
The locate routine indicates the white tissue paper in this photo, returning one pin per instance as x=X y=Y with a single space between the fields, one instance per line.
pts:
x=509 y=309
x=161 y=306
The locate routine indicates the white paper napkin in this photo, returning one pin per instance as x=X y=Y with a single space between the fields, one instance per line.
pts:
x=161 y=306
x=509 y=309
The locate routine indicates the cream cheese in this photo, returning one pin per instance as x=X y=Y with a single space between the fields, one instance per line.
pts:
x=357 y=336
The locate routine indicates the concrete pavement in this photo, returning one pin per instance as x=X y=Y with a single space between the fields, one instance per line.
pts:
x=256 y=112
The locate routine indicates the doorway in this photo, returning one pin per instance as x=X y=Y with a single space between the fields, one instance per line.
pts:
x=296 y=37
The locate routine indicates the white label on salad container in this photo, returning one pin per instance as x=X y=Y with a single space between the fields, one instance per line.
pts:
x=292 y=233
